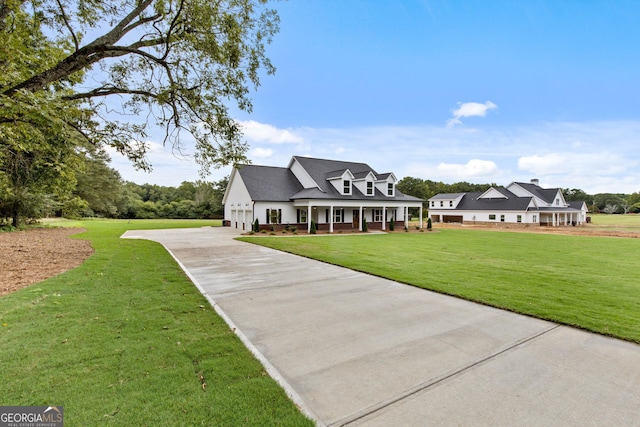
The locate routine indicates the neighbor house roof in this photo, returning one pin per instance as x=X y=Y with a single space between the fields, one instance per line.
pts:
x=472 y=202
x=546 y=194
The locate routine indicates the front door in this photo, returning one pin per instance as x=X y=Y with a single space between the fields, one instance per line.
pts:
x=356 y=218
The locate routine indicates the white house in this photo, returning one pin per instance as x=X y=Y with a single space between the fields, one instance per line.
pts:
x=336 y=195
x=518 y=203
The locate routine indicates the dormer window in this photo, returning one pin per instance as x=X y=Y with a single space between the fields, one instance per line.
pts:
x=390 y=189
x=369 y=188
x=347 y=187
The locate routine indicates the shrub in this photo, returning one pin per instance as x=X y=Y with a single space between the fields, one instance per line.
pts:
x=392 y=224
x=313 y=227
x=429 y=224
x=365 y=227
x=256 y=226
x=294 y=229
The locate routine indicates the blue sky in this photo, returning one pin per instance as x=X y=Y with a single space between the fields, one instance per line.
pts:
x=478 y=91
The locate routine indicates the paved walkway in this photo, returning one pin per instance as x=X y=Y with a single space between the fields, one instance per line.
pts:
x=353 y=349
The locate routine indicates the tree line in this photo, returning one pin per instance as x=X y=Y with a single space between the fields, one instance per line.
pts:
x=611 y=203
x=97 y=190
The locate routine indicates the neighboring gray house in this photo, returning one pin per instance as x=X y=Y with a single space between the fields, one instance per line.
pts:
x=518 y=203
x=336 y=195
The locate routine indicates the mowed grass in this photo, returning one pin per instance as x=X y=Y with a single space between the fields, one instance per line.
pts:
x=126 y=339
x=630 y=222
x=587 y=282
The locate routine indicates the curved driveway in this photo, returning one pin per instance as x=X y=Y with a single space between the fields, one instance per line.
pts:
x=354 y=349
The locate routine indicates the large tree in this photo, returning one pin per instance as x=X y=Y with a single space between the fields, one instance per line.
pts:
x=175 y=63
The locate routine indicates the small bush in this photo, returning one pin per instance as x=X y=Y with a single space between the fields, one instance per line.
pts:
x=313 y=227
x=256 y=226
x=429 y=224
x=294 y=229
x=365 y=227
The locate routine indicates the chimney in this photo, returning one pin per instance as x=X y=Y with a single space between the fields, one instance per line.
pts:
x=535 y=181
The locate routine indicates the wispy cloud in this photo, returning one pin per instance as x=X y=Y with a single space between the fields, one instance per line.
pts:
x=594 y=156
x=473 y=169
x=265 y=133
x=470 y=109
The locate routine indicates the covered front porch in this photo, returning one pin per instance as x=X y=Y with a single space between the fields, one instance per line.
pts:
x=336 y=216
x=562 y=218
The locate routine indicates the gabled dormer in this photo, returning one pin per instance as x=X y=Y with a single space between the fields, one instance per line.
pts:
x=493 y=193
x=342 y=181
x=549 y=197
x=386 y=184
x=365 y=182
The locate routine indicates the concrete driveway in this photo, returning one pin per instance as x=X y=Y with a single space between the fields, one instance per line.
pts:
x=353 y=349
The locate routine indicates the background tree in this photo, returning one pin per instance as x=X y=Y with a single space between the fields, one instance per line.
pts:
x=605 y=201
x=99 y=185
x=37 y=175
x=179 y=60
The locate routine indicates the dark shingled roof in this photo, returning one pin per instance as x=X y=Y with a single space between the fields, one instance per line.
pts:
x=318 y=169
x=470 y=202
x=266 y=183
x=546 y=194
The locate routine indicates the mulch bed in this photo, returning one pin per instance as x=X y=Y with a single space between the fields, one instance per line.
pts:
x=28 y=257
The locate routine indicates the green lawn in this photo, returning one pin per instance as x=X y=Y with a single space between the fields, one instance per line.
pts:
x=126 y=339
x=588 y=282
x=615 y=222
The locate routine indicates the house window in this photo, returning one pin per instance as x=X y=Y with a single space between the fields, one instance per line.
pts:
x=433 y=204
x=557 y=202
x=347 y=187
x=274 y=216
x=337 y=215
x=501 y=218
x=301 y=215
x=450 y=203
x=390 y=189
x=519 y=218
x=492 y=217
x=369 y=188
x=535 y=218
x=441 y=203
x=377 y=215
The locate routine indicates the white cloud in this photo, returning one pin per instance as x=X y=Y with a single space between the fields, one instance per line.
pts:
x=261 y=152
x=470 y=109
x=266 y=133
x=593 y=156
x=474 y=168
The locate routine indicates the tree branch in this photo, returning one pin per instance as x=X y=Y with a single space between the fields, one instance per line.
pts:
x=108 y=90
x=66 y=23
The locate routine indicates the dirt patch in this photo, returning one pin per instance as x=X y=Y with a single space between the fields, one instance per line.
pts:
x=31 y=256
x=584 y=230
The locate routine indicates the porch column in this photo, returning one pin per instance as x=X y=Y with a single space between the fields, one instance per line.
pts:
x=330 y=219
x=384 y=217
x=360 y=218
x=420 y=216
x=405 y=212
x=309 y=216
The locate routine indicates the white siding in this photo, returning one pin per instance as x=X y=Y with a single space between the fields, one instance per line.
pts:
x=238 y=204
x=302 y=175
